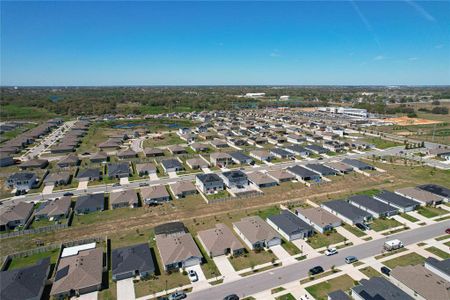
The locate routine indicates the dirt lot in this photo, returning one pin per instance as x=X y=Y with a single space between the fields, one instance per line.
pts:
x=128 y=225
x=405 y=121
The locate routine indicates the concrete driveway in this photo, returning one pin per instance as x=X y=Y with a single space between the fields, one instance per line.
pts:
x=124 y=180
x=226 y=268
x=48 y=189
x=125 y=289
x=202 y=282
x=153 y=176
x=282 y=255
x=82 y=185
x=172 y=174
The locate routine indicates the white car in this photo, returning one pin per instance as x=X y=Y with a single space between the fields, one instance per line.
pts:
x=330 y=251
x=193 y=276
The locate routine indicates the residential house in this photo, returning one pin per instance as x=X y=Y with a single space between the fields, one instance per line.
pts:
x=209 y=183
x=219 y=241
x=126 y=154
x=22 y=181
x=295 y=138
x=125 y=198
x=316 y=149
x=297 y=150
x=219 y=144
x=154 y=194
x=241 y=158
x=378 y=288
x=437 y=190
x=118 y=170
x=221 y=159
x=290 y=226
x=281 y=153
x=178 y=251
x=170 y=229
x=347 y=212
x=34 y=164
x=25 y=283
x=358 y=164
x=321 y=169
x=304 y=174
x=6 y=161
x=79 y=271
x=57 y=178
x=145 y=169
x=91 y=174
x=99 y=157
x=90 y=203
x=171 y=165
x=402 y=203
x=175 y=149
x=235 y=178
x=15 y=215
x=261 y=180
x=319 y=218
x=421 y=196
x=256 y=233
x=54 y=209
x=438 y=267
x=262 y=155
x=197 y=163
x=376 y=208
x=281 y=175
x=199 y=147
x=339 y=167
x=182 y=189
x=132 y=261
x=70 y=160
x=153 y=152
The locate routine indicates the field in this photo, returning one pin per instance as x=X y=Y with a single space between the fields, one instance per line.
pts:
x=405 y=121
x=438 y=252
x=163 y=140
x=431 y=212
x=369 y=272
x=383 y=224
x=405 y=260
x=34 y=258
x=15 y=112
x=354 y=230
x=320 y=240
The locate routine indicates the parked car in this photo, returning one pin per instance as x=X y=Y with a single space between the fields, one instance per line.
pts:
x=393 y=245
x=143 y=184
x=68 y=194
x=316 y=270
x=350 y=259
x=193 y=275
x=331 y=251
x=447 y=231
x=385 y=270
x=177 y=296
x=363 y=227
x=231 y=297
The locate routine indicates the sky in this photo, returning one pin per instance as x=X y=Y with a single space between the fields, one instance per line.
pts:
x=225 y=43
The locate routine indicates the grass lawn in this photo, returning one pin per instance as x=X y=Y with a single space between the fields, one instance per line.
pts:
x=286 y=297
x=396 y=230
x=409 y=217
x=431 y=212
x=290 y=248
x=444 y=237
x=383 y=224
x=165 y=140
x=382 y=144
x=438 y=252
x=447 y=244
x=34 y=258
x=209 y=268
x=442 y=219
x=270 y=211
x=320 y=291
x=386 y=254
x=321 y=275
x=355 y=230
x=218 y=195
x=46 y=222
x=320 y=240
x=251 y=259
x=277 y=290
x=405 y=260
x=369 y=272
x=106 y=215
x=371 y=192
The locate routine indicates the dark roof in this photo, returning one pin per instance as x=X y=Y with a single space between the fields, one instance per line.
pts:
x=236 y=174
x=321 y=169
x=372 y=204
x=302 y=172
x=339 y=295
x=289 y=223
x=171 y=163
x=131 y=258
x=170 y=228
x=441 y=265
x=210 y=177
x=240 y=156
x=90 y=200
x=396 y=199
x=88 y=173
x=378 y=288
x=24 y=283
x=357 y=163
x=296 y=149
x=280 y=151
x=346 y=209
x=21 y=176
x=119 y=168
x=436 y=189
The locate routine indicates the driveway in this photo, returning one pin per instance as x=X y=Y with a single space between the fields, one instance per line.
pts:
x=48 y=189
x=124 y=181
x=202 y=282
x=306 y=248
x=282 y=255
x=172 y=174
x=125 y=289
x=226 y=268
x=348 y=235
x=153 y=176
x=82 y=185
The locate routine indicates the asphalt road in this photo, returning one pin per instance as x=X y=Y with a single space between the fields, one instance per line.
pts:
x=279 y=276
x=191 y=177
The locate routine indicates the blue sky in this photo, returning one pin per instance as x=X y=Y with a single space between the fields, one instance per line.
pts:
x=213 y=43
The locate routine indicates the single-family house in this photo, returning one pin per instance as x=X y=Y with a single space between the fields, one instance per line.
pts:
x=437 y=190
x=154 y=194
x=376 y=208
x=171 y=165
x=304 y=174
x=118 y=170
x=209 y=183
x=145 y=169
x=262 y=155
x=57 y=178
x=153 y=152
x=235 y=178
x=290 y=226
x=378 y=288
x=33 y=164
x=339 y=167
x=15 y=215
x=91 y=174
x=70 y=160
x=261 y=180
x=54 y=209
x=347 y=212
x=297 y=150
x=319 y=218
x=220 y=240
x=125 y=198
x=22 y=181
x=197 y=163
x=402 y=203
x=256 y=233
x=99 y=157
x=175 y=149
x=281 y=175
x=241 y=158
x=90 y=203
x=321 y=169
x=421 y=196
x=358 y=164
x=132 y=261
x=220 y=159
x=182 y=189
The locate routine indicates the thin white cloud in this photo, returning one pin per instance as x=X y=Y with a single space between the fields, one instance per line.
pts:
x=421 y=11
x=413 y=58
x=275 y=53
x=379 y=57
x=366 y=23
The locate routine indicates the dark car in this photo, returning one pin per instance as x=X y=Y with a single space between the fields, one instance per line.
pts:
x=447 y=231
x=177 y=296
x=231 y=297
x=68 y=194
x=363 y=227
x=385 y=270
x=316 y=270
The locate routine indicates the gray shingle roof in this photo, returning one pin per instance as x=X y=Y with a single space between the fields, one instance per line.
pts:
x=131 y=258
x=323 y=170
x=289 y=223
x=346 y=209
x=372 y=204
x=396 y=199
x=377 y=288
